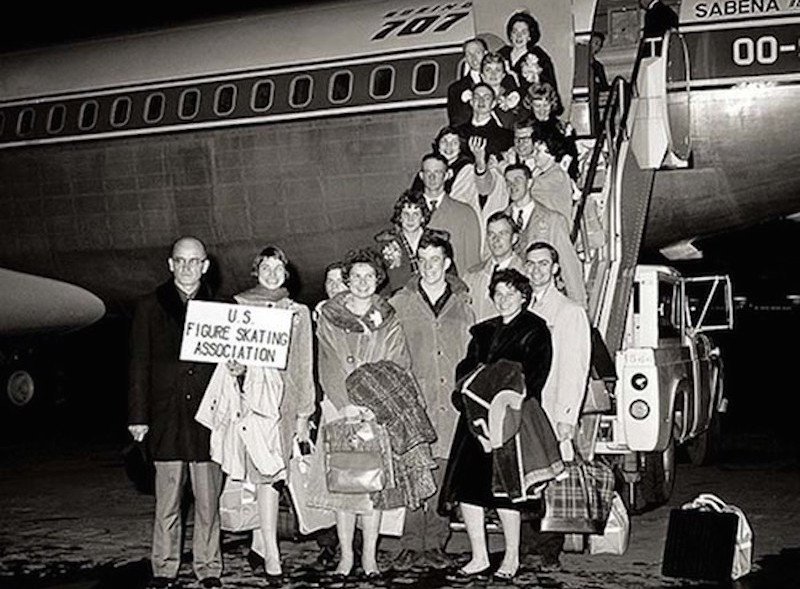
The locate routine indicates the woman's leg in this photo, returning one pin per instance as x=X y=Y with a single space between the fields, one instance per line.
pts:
x=345 y=528
x=370 y=526
x=473 y=519
x=267 y=497
x=510 y=519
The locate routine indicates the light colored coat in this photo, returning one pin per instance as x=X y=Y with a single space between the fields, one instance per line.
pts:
x=466 y=187
x=436 y=345
x=461 y=222
x=347 y=341
x=478 y=278
x=551 y=227
x=565 y=389
x=261 y=420
x=553 y=189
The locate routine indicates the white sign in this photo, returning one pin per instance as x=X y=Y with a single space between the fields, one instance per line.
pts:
x=254 y=336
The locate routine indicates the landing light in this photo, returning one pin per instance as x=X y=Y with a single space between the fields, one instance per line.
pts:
x=639 y=409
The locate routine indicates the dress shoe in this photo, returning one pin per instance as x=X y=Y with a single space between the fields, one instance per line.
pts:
x=274 y=579
x=405 y=560
x=462 y=577
x=256 y=563
x=504 y=575
x=163 y=583
x=211 y=582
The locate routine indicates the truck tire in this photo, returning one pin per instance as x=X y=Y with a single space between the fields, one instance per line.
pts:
x=702 y=450
x=658 y=477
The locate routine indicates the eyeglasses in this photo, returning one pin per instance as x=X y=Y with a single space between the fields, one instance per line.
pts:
x=188 y=262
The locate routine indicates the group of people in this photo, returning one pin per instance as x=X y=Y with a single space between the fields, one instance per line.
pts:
x=461 y=331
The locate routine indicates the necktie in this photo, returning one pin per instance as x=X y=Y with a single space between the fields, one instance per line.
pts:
x=519 y=219
x=432 y=206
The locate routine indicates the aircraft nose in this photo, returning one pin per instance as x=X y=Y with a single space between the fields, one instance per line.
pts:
x=34 y=304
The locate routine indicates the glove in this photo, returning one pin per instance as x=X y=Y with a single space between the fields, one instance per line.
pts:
x=138 y=431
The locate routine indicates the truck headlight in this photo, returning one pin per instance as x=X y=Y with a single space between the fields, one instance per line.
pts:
x=639 y=409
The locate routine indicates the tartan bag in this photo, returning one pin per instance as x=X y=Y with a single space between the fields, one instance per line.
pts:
x=581 y=501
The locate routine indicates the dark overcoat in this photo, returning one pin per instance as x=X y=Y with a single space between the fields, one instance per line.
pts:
x=525 y=339
x=165 y=392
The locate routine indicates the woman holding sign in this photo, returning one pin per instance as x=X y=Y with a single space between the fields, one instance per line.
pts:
x=356 y=327
x=254 y=412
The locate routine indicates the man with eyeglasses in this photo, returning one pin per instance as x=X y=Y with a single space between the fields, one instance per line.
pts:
x=164 y=396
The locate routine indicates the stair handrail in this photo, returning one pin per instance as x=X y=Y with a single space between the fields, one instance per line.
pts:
x=620 y=90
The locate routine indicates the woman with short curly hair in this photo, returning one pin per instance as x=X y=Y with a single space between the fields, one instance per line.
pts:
x=355 y=327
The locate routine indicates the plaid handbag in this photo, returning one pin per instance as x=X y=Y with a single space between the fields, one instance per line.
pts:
x=581 y=502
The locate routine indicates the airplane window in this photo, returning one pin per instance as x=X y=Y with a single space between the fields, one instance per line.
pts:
x=381 y=83
x=25 y=122
x=341 y=87
x=425 y=77
x=88 y=115
x=300 y=91
x=263 y=93
x=225 y=100
x=56 y=118
x=189 y=104
x=154 y=108
x=120 y=111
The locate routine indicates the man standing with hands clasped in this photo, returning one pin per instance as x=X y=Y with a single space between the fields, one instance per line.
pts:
x=164 y=395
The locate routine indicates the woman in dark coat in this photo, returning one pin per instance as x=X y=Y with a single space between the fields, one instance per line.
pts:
x=523 y=34
x=520 y=336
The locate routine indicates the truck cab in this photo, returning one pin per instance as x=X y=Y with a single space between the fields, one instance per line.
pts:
x=670 y=378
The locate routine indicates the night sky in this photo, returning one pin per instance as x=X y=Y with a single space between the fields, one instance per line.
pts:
x=34 y=25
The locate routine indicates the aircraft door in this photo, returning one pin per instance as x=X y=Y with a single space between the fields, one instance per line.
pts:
x=556 y=25
x=679 y=106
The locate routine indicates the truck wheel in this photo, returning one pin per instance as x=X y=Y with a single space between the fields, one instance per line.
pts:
x=658 y=478
x=703 y=449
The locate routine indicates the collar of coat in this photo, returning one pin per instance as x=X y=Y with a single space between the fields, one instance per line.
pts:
x=170 y=299
x=457 y=286
x=524 y=322
x=259 y=295
x=339 y=315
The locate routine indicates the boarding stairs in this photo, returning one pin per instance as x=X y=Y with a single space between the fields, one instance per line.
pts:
x=635 y=138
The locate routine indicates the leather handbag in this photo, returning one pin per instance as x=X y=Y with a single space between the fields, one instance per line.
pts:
x=355 y=456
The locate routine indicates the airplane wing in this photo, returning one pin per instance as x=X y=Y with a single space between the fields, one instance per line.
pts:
x=35 y=305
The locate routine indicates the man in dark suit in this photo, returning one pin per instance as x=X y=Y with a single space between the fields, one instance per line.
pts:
x=658 y=18
x=164 y=395
x=459 y=110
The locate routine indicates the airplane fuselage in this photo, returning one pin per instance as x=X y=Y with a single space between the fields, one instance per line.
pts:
x=241 y=135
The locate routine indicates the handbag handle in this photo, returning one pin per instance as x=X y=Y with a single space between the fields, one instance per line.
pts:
x=708 y=500
x=297 y=451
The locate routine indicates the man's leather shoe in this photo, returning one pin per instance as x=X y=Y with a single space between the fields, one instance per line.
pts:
x=211 y=582
x=163 y=583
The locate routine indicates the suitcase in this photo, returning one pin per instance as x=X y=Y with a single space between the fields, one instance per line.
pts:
x=700 y=545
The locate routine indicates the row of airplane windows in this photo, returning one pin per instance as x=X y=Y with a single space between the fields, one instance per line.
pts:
x=425 y=80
